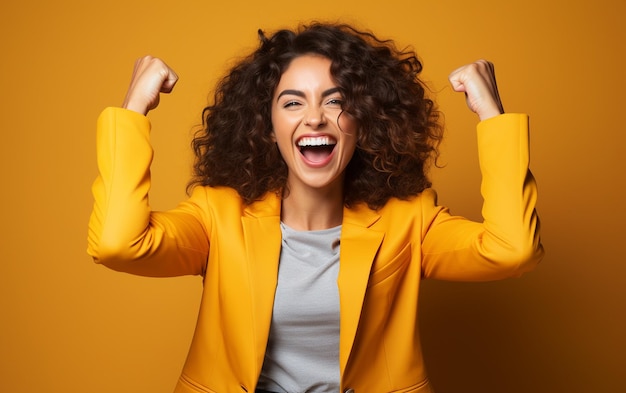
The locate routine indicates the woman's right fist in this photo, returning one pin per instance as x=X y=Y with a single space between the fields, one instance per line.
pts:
x=151 y=77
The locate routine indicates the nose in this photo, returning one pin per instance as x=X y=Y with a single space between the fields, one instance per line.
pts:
x=314 y=117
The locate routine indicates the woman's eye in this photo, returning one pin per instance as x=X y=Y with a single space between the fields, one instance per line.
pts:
x=335 y=101
x=290 y=104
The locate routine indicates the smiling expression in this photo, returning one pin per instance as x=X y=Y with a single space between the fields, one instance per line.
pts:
x=315 y=138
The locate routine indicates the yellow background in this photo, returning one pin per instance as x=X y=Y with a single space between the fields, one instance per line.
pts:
x=68 y=325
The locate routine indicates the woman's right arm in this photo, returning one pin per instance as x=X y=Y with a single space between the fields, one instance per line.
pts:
x=151 y=77
x=124 y=234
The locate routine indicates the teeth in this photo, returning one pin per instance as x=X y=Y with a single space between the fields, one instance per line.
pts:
x=315 y=141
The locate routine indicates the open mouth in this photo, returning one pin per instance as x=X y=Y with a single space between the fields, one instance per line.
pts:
x=316 y=149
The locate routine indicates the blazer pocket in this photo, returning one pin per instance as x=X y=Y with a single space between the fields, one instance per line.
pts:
x=421 y=387
x=395 y=266
x=187 y=385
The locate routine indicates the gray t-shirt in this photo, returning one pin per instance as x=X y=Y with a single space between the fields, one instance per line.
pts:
x=303 y=348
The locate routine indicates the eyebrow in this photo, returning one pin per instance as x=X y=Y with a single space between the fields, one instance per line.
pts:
x=299 y=93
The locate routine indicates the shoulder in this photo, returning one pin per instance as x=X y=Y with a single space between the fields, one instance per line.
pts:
x=411 y=207
x=226 y=200
x=216 y=198
x=397 y=214
x=215 y=193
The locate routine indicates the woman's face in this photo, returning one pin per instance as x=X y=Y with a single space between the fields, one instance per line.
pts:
x=314 y=137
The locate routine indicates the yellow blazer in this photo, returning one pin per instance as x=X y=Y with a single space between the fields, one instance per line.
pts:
x=383 y=257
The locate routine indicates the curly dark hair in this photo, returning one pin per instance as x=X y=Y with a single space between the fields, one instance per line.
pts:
x=398 y=125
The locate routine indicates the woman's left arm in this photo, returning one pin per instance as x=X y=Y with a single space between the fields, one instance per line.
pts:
x=507 y=242
x=478 y=81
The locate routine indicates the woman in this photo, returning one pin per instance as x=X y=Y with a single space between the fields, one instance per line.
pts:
x=311 y=219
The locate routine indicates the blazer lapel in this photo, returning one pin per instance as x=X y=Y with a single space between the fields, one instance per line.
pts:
x=359 y=245
x=261 y=226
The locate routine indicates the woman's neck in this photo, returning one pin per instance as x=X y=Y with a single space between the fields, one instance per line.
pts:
x=310 y=210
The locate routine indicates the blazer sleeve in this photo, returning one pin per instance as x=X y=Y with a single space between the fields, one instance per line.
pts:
x=124 y=234
x=507 y=242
